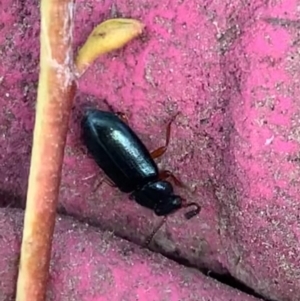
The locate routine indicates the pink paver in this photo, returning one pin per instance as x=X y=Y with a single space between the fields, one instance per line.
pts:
x=231 y=69
x=90 y=265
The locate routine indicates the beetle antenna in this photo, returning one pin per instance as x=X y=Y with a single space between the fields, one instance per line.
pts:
x=110 y=107
x=149 y=239
x=193 y=212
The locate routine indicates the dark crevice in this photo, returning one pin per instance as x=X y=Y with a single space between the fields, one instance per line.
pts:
x=9 y=199
x=234 y=283
x=226 y=279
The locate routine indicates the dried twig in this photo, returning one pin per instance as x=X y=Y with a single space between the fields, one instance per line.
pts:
x=56 y=91
x=55 y=95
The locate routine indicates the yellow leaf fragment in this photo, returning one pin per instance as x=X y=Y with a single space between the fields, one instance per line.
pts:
x=107 y=36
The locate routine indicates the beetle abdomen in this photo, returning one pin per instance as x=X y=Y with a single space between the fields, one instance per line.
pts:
x=117 y=150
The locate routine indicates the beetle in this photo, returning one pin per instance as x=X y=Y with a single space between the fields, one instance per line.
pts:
x=129 y=166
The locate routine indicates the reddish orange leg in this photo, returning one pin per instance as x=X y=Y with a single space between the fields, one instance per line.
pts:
x=161 y=150
x=123 y=117
x=188 y=215
x=101 y=181
x=193 y=212
x=165 y=174
x=150 y=237
x=81 y=148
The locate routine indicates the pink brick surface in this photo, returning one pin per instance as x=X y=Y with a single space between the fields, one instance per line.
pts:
x=90 y=265
x=231 y=69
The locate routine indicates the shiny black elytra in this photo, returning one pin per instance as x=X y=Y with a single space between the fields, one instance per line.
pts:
x=128 y=164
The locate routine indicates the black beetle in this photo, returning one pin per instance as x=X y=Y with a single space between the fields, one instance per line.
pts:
x=128 y=164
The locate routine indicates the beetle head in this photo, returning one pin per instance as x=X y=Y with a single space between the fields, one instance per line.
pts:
x=168 y=204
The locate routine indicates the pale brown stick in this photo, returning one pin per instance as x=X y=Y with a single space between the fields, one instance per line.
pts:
x=55 y=95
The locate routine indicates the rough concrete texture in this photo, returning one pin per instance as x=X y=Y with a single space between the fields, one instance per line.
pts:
x=88 y=264
x=231 y=69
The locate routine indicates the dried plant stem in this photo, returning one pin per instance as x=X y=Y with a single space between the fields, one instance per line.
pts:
x=56 y=92
x=55 y=95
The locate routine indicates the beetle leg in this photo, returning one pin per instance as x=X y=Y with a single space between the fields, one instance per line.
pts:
x=150 y=237
x=193 y=212
x=165 y=174
x=109 y=182
x=161 y=150
x=123 y=117
x=100 y=182
x=79 y=146
x=188 y=215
